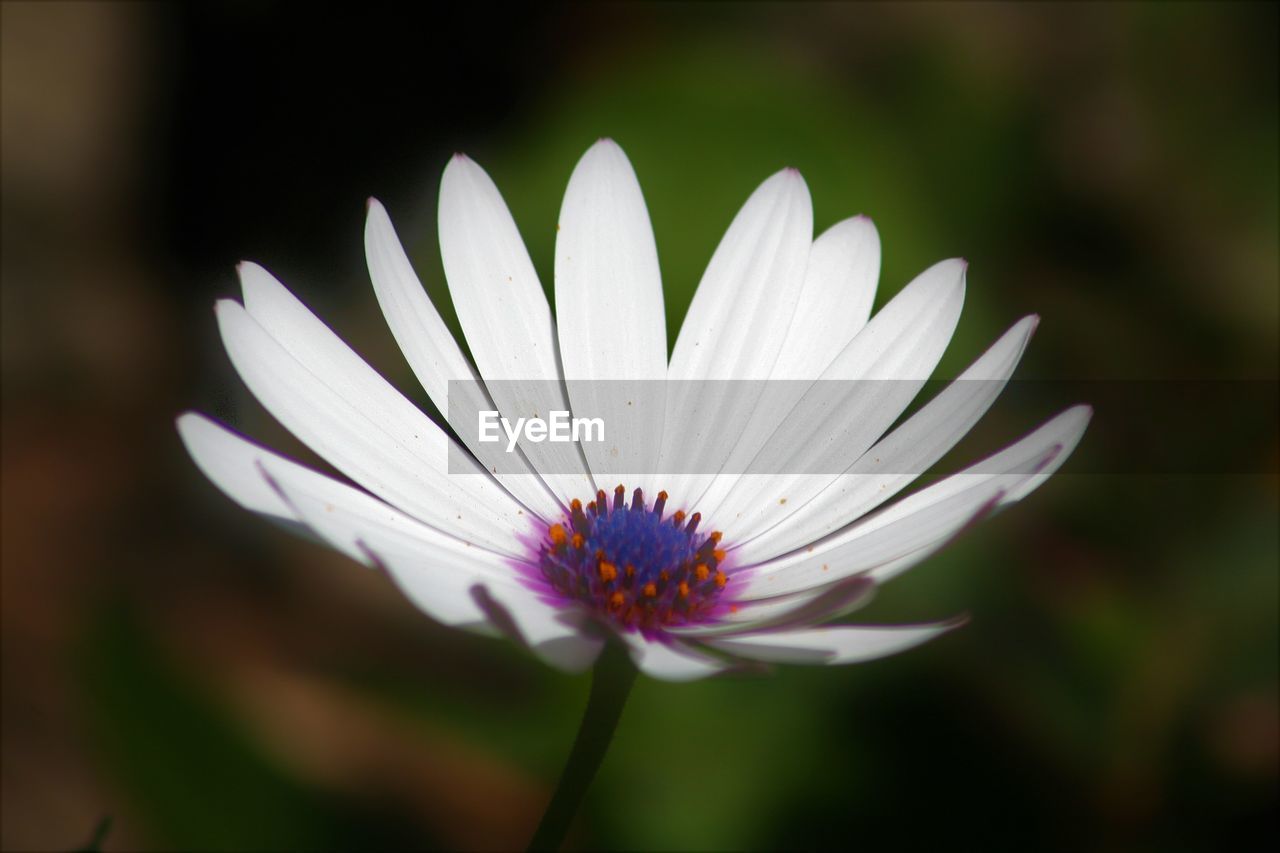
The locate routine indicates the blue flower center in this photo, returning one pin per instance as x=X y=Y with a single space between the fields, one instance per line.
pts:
x=626 y=561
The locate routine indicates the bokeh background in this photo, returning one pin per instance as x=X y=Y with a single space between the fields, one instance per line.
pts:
x=207 y=682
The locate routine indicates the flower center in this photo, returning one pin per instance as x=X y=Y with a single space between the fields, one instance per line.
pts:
x=626 y=561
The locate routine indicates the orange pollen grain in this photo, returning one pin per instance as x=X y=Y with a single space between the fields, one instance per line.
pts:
x=630 y=571
x=650 y=589
x=664 y=576
x=679 y=516
x=662 y=496
x=701 y=572
x=557 y=534
x=716 y=536
x=577 y=541
x=684 y=589
x=720 y=580
x=575 y=505
x=608 y=572
x=616 y=600
x=718 y=554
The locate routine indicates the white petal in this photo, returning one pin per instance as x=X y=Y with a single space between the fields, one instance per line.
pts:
x=417 y=326
x=735 y=327
x=259 y=480
x=893 y=462
x=1065 y=431
x=798 y=610
x=397 y=455
x=231 y=462
x=863 y=392
x=504 y=314
x=452 y=582
x=608 y=287
x=833 y=645
x=901 y=535
x=839 y=289
x=900 y=531
x=439 y=574
x=555 y=636
x=610 y=314
x=672 y=661
x=346 y=519
x=428 y=345
x=354 y=522
x=737 y=321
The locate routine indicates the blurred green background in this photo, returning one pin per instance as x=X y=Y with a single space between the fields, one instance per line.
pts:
x=209 y=682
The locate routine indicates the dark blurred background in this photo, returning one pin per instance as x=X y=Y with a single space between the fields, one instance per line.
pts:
x=208 y=682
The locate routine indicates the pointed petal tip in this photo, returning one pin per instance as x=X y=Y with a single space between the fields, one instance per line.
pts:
x=375 y=215
x=868 y=226
x=860 y=229
x=459 y=163
x=247 y=271
x=792 y=175
x=462 y=171
x=604 y=150
x=945 y=274
x=786 y=183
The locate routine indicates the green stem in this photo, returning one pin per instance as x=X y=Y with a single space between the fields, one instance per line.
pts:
x=611 y=681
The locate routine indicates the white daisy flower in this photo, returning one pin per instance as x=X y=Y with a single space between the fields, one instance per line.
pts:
x=705 y=574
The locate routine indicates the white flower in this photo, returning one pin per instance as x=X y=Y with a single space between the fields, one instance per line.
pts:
x=520 y=554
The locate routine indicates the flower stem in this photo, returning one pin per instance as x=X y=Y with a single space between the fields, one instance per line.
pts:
x=611 y=681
